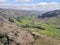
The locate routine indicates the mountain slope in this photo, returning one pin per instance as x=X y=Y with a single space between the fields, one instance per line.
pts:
x=7 y=14
x=10 y=33
x=51 y=14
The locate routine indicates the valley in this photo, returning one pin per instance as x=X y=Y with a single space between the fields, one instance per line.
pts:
x=29 y=27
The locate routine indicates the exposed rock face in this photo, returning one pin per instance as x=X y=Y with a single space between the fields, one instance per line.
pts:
x=10 y=34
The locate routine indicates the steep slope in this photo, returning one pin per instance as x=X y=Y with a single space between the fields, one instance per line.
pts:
x=51 y=14
x=10 y=34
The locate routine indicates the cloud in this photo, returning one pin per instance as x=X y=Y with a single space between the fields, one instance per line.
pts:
x=48 y=6
x=24 y=0
x=38 y=6
x=2 y=1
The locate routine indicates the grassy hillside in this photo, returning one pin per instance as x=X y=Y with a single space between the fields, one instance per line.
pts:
x=48 y=28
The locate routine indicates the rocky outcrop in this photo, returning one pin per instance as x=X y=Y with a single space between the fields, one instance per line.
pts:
x=10 y=34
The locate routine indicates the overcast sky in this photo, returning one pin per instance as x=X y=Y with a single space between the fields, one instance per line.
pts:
x=31 y=4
